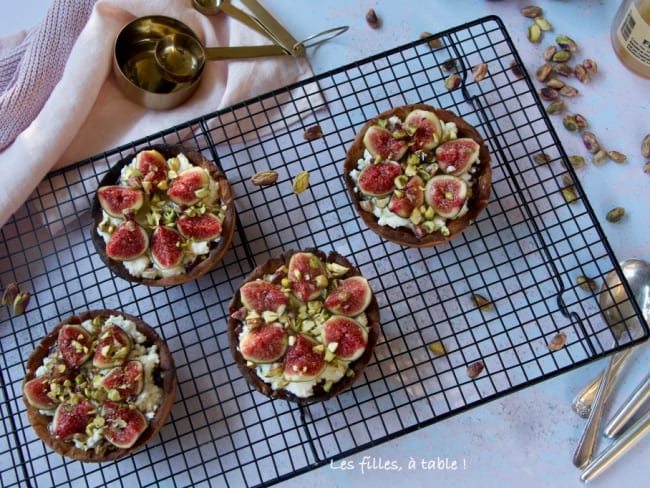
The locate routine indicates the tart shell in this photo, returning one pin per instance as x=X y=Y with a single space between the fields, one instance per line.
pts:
x=205 y=263
x=166 y=377
x=477 y=203
x=357 y=366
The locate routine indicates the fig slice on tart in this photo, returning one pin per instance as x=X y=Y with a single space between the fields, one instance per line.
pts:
x=281 y=349
x=390 y=194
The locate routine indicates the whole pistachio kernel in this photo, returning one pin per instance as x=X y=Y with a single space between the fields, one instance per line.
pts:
x=563 y=69
x=615 y=214
x=577 y=161
x=557 y=342
x=531 y=11
x=541 y=158
x=581 y=73
x=516 y=69
x=581 y=121
x=480 y=71
x=549 y=52
x=600 y=157
x=548 y=94
x=591 y=66
x=543 y=72
x=591 y=143
x=645 y=146
x=569 y=194
x=10 y=293
x=543 y=24
x=646 y=168
x=617 y=157
x=561 y=56
x=475 y=369
x=568 y=91
x=566 y=43
x=372 y=19
x=557 y=107
x=555 y=83
x=534 y=33
x=569 y=122
x=448 y=64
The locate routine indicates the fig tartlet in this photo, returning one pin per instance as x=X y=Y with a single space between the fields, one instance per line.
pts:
x=303 y=326
x=99 y=386
x=163 y=216
x=418 y=175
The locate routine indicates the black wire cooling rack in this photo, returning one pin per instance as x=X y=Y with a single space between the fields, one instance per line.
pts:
x=524 y=254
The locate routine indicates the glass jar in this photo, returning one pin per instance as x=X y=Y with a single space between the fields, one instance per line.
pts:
x=630 y=35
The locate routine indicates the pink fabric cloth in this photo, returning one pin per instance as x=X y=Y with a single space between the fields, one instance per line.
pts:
x=81 y=112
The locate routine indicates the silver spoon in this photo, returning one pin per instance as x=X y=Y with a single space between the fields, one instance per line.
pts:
x=617 y=310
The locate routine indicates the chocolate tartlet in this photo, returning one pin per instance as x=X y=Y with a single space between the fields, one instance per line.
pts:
x=417 y=175
x=99 y=386
x=163 y=216
x=303 y=326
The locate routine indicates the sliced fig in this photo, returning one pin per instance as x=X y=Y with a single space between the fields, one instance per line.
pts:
x=112 y=348
x=37 y=392
x=345 y=336
x=378 y=179
x=303 y=361
x=189 y=187
x=72 y=416
x=424 y=128
x=380 y=143
x=75 y=345
x=456 y=157
x=128 y=241
x=199 y=228
x=264 y=344
x=411 y=197
x=126 y=380
x=152 y=168
x=117 y=200
x=167 y=247
x=446 y=194
x=124 y=424
x=262 y=296
x=350 y=298
x=307 y=276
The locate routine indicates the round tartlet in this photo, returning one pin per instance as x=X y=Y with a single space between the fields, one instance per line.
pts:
x=420 y=234
x=150 y=217
x=301 y=318
x=160 y=377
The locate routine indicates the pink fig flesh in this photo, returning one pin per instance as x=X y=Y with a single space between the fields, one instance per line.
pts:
x=112 y=348
x=117 y=200
x=348 y=335
x=74 y=344
x=456 y=157
x=446 y=194
x=303 y=362
x=264 y=344
x=187 y=187
x=124 y=425
x=128 y=241
x=167 y=249
x=261 y=296
x=378 y=179
x=351 y=297
x=37 y=392
x=304 y=271
x=72 y=416
x=204 y=227
x=127 y=379
x=424 y=127
x=153 y=168
x=380 y=143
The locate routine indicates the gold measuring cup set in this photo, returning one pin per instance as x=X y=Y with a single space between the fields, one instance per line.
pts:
x=158 y=60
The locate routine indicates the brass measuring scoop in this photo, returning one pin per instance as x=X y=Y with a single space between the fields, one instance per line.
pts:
x=181 y=57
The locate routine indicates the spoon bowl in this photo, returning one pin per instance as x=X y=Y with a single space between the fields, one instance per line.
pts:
x=614 y=301
x=180 y=56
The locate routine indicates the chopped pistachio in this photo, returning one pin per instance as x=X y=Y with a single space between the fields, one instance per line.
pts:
x=437 y=348
x=577 y=161
x=301 y=182
x=475 y=369
x=20 y=302
x=481 y=302
x=543 y=24
x=587 y=284
x=453 y=81
x=313 y=132
x=9 y=294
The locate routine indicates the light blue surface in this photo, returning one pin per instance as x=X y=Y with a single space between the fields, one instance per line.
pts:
x=528 y=437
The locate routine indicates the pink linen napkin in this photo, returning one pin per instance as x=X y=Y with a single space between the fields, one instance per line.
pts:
x=84 y=113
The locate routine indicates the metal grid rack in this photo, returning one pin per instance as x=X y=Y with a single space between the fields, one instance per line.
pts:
x=524 y=253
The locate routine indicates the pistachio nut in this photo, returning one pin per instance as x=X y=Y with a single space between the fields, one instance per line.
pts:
x=20 y=302
x=615 y=214
x=479 y=71
x=561 y=56
x=313 y=132
x=645 y=146
x=591 y=143
x=549 y=52
x=452 y=82
x=554 y=83
x=563 y=69
x=569 y=194
x=263 y=178
x=600 y=157
x=548 y=94
x=372 y=19
x=448 y=64
x=433 y=43
x=581 y=121
x=568 y=91
x=301 y=182
x=617 y=157
x=516 y=69
x=541 y=158
x=566 y=43
x=557 y=107
x=581 y=74
x=569 y=122
x=591 y=66
x=646 y=168
x=481 y=302
x=587 y=284
x=557 y=342
x=534 y=33
x=543 y=72
x=577 y=161
x=475 y=369
x=531 y=11
x=9 y=294
x=543 y=24
x=437 y=348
